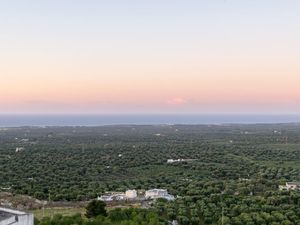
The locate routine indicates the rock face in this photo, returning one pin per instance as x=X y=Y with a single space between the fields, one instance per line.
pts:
x=15 y=217
x=20 y=202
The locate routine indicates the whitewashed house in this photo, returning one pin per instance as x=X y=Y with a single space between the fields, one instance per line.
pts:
x=290 y=186
x=158 y=193
x=113 y=196
x=131 y=194
x=20 y=149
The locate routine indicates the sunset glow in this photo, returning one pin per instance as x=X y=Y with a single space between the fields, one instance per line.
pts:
x=136 y=57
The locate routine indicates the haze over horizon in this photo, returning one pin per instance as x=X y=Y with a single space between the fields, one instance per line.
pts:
x=145 y=57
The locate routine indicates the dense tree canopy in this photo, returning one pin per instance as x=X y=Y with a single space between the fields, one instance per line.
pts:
x=235 y=171
x=115 y=217
x=95 y=208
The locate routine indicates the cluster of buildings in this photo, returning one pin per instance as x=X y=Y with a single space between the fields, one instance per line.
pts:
x=290 y=186
x=134 y=196
x=15 y=217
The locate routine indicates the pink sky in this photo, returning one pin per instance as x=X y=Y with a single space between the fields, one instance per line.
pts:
x=225 y=57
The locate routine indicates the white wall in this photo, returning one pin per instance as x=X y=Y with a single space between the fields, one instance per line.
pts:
x=18 y=218
x=9 y=220
x=26 y=219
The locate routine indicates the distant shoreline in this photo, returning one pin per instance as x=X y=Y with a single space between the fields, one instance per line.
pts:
x=126 y=120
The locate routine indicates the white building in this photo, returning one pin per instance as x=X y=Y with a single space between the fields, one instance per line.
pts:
x=158 y=193
x=172 y=160
x=19 y=149
x=130 y=194
x=15 y=217
x=290 y=186
x=179 y=160
x=113 y=196
x=105 y=198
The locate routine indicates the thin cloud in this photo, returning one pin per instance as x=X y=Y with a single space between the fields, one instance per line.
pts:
x=177 y=101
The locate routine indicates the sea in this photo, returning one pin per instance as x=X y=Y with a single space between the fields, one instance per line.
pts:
x=133 y=119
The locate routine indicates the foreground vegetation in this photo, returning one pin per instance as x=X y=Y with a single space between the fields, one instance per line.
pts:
x=235 y=172
x=115 y=217
x=50 y=212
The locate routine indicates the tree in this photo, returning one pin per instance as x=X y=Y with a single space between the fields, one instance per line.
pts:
x=96 y=208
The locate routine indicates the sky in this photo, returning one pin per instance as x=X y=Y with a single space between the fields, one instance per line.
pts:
x=158 y=56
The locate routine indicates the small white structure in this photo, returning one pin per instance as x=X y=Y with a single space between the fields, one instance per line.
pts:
x=171 y=160
x=154 y=193
x=15 y=217
x=179 y=160
x=290 y=186
x=112 y=196
x=158 y=193
x=19 y=149
x=105 y=198
x=131 y=194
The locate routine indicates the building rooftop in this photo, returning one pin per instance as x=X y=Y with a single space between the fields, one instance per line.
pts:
x=6 y=213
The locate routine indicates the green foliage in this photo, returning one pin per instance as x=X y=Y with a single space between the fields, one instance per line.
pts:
x=95 y=208
x=279 y=207
x=236 y=167
x=115 y=217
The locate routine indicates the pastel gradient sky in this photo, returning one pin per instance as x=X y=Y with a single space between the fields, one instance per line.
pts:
x=158 y=56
